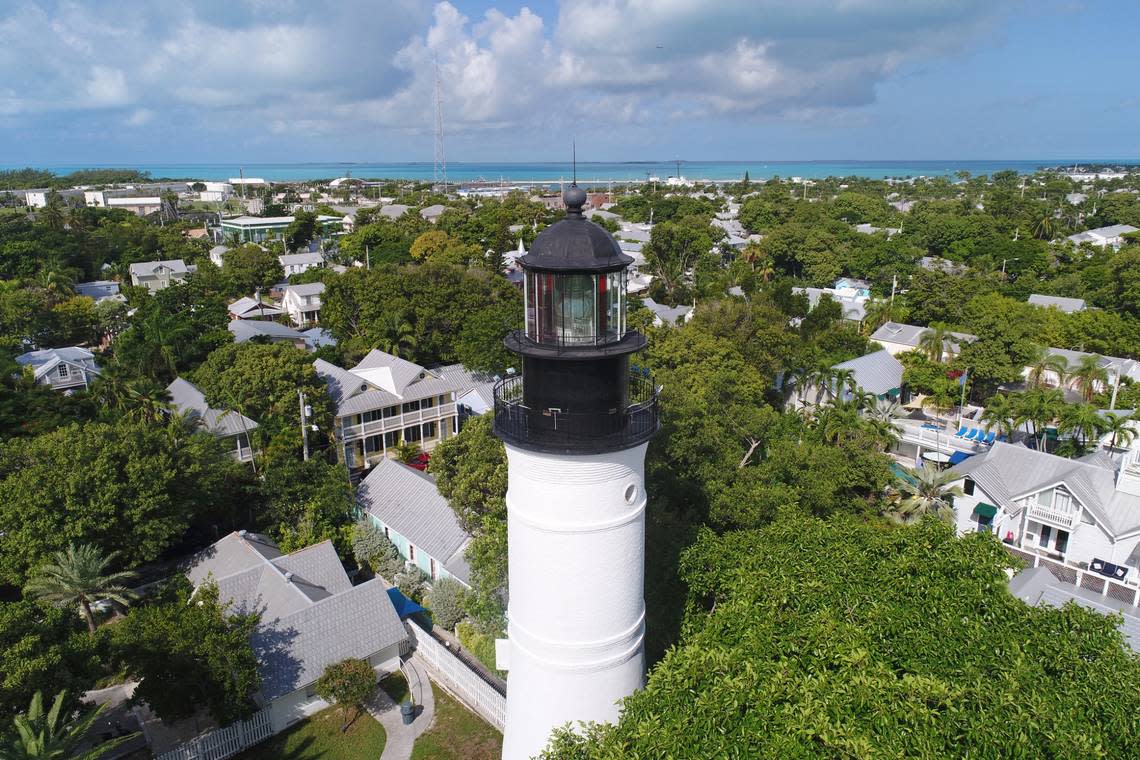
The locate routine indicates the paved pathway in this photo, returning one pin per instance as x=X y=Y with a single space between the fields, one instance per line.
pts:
x=401 y=737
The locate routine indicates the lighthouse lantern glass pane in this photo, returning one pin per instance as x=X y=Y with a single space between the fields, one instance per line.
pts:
x=575 y=308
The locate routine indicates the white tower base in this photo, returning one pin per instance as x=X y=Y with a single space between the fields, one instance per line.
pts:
x=576 y=619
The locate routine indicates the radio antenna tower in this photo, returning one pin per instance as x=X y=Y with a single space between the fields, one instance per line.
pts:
x=440 y=157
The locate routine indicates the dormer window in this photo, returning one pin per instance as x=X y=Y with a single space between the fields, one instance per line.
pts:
x=63 y=371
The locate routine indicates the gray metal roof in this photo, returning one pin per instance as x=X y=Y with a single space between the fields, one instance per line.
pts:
x=294 y=259
x=854 y=309
x=245 y=329
x=45 y=359
x=393 y=210
x=1037 y=586
x=311 y=614
x=670 y=315
x=1008 y=471
x=188 y=399
x=98 y=289
x=400 y=371
x=147 y=268
x=246 y=306
x=407 y=501
x=1114 y=364
x=911 y=335
x=876 y=373
x=1067 y=305
x=307 y=289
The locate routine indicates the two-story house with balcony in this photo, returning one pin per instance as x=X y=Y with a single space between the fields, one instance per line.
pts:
x=156 y=275
x=227 y=424
x=303 y=303
x=1078 y=512
x=62 y=369
x=384 y=401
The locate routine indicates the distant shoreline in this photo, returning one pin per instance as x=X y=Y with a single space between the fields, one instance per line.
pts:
x=592 y=172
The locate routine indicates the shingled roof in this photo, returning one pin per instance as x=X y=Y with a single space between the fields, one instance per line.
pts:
x=311 y=614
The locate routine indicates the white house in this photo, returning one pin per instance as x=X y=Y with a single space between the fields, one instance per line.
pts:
x=898 y=338
x=36 y=198
x=139 y=206
x=853 y=303
x=384 y=401
x=1101 y=237
x=1072 y=511
x=1114 y=366
x=1067 y=305
x=668 y=315
x=404 y=503
x=218 y=255
x=311 y=617
x=228 y=424
x=295 y=263
x=433 y=213
x=156 y=275
x=303 y=303
x=216 y=192
x=61 y=369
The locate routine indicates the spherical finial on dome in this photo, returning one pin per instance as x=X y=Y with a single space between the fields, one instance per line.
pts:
x=575 y=198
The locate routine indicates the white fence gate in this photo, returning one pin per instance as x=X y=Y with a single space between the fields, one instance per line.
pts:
x=224 y=742
x=453 y=674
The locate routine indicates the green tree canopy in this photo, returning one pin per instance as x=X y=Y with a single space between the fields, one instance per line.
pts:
x=250 y=267
x=98 y=483
x=190 y=652
x=845 y=639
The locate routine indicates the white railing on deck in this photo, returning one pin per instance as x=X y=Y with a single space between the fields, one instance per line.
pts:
x=1075 y=576
x=224 y=742
x=397 y=422
x=1062 y=518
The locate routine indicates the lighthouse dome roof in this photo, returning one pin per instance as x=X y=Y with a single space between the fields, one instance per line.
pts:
x=575 y=244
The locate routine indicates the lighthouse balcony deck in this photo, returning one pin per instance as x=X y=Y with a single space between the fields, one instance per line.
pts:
x=566 y=431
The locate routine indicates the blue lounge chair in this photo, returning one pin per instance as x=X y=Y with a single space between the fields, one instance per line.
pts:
x=961 y=432
x=970 y=435
x=990 y=438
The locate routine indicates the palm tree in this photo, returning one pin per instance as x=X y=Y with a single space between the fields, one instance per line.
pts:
x=838 y=423
x=843 y=379
x=79 y=576
x=933 y=341
x=927 y=492
x=1044 y=226
x=158 y=345
x=399 y=335
x=47 y=735
x=1089 y=375
x=1038 y=407
x=56 y=283
x=879 y=311
x=881 y=421
x=1082 y=420
x=1121 y=426
x=1041 y=362
x=999 y=413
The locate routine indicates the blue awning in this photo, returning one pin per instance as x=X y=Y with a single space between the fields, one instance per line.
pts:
x=958 y=457
x=405 y=607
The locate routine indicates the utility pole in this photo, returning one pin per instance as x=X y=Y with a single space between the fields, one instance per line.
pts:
x=1115 y=389
x=304 y=423
x=894 y=286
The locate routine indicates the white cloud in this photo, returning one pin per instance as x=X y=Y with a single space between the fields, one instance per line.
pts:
x=351 y=67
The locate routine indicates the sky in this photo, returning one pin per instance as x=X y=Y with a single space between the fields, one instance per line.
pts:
x=117 y=82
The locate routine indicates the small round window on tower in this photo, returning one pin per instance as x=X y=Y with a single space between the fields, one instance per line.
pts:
x=631 y=493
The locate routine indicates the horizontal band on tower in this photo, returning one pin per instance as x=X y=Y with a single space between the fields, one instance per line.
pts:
x=543 y=526
x=553 y=654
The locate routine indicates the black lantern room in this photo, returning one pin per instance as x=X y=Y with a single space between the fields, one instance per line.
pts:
x=577 y=393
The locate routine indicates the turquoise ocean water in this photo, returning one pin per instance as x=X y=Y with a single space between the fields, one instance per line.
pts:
x=588 y=172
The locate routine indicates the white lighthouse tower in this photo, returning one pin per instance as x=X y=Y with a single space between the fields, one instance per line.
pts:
x=576 y=425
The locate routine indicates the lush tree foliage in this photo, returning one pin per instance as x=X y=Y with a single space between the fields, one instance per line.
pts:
x=78 y=578
x=250 y=267
x=98 y=483
x=844 y=639
x=55 y=732
x=454 y=314
x=261 y=381
x=448 y=602
x=190 y=652
x=348 y=683
x=44 y=649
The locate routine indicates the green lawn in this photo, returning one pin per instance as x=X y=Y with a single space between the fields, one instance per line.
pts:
x=457 y=734
x=319 y=738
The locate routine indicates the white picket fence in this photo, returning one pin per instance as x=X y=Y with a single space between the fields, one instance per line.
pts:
x=453 y=674
x=224 y=742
